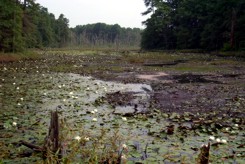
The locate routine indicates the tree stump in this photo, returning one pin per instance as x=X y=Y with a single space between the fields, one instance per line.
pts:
x=51 y=143
x=203 y=157
x=52 y=148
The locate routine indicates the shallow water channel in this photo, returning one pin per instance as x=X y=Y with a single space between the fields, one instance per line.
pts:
x=28 y=98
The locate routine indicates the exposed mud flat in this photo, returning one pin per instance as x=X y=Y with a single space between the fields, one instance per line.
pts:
x=154 y=76
x=197 y=93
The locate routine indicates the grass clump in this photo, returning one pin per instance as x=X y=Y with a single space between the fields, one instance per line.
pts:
x=12 y=57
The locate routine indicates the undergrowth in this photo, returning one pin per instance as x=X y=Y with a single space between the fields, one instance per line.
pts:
x=12 y=57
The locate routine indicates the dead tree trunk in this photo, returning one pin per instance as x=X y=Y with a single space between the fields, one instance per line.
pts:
x=52 y=140
x=51 y=149
x=203 y=157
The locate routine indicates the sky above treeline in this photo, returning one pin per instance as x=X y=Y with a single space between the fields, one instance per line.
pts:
x=126 y=13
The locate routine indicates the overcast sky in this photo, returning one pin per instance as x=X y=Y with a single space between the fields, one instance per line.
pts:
x=126 y=13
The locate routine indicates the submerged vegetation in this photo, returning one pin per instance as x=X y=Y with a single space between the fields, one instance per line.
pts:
x=129 y=117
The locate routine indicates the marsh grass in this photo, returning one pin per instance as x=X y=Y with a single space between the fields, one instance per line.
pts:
x=194 y=67
x=101 y=61
x=12 y=57
x=140 y=58
x=104 y=59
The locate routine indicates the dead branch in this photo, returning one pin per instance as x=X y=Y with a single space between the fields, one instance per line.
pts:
x=31 y=146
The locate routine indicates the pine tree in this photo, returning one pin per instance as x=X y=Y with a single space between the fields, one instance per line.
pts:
x=11 y=39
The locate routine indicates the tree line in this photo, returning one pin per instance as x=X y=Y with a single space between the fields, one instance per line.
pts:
x=194 y=24
x=101 y=34
x=174 y=24
x=26 y=24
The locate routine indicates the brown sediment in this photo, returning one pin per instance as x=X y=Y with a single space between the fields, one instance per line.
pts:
x=153 y=76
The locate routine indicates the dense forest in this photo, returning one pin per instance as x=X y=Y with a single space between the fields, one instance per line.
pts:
x=101 y=34
x=26 y=24
x=174 y=24
x=194 y=24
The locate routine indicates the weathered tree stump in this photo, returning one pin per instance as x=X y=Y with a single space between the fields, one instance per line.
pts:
x=51 y=143
x=52 y=146
x=203 y=157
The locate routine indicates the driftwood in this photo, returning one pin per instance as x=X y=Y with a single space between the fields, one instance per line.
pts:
x=51 y=142
x=203 y=157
